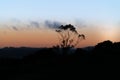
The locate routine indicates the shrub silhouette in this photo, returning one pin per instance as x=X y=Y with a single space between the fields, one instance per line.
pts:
x=68 y=36
x=107 y=45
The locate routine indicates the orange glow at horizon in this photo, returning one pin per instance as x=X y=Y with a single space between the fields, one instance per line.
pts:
x=31 y=38
x=49 y=38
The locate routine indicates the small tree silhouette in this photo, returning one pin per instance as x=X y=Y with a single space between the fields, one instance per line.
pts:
x=68 y=36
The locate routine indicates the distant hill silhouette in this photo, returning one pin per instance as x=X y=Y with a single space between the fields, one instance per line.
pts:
x=18 y=53
x=104 y=52
x=47 y=60
x=101 y=51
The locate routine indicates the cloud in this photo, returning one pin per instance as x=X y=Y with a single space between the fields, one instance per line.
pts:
x=34 y=24
x=19 y=25
x=52 y=24
x=15 y=28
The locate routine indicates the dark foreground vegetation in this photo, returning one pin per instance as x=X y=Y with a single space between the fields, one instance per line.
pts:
x=48 y=62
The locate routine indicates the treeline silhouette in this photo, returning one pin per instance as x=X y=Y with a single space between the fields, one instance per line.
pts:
x=102 y=53
x=47 y=60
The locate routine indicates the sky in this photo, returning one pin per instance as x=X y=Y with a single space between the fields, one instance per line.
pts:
x=101 y=18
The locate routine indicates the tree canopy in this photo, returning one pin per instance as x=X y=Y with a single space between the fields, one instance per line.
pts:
x=68 y=36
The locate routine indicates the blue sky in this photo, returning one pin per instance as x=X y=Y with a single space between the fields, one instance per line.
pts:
x=102 y=10
x=104 y=13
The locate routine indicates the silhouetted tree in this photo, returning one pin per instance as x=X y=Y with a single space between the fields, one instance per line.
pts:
x=104 y=46
x=68 y=36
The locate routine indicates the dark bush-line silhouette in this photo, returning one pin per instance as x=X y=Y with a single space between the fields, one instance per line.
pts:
x=47 y=60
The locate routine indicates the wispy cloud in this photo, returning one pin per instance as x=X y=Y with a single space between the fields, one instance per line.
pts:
x=18 y=25
x=35 y=24
x=52 y=24
x=15 y=28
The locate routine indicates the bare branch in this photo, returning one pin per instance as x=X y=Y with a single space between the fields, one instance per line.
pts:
x=69 y=36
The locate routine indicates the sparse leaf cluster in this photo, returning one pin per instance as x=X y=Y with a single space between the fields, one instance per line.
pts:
x=68 y=36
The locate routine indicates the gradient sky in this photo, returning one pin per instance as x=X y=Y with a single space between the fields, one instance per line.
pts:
x=101 y=16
